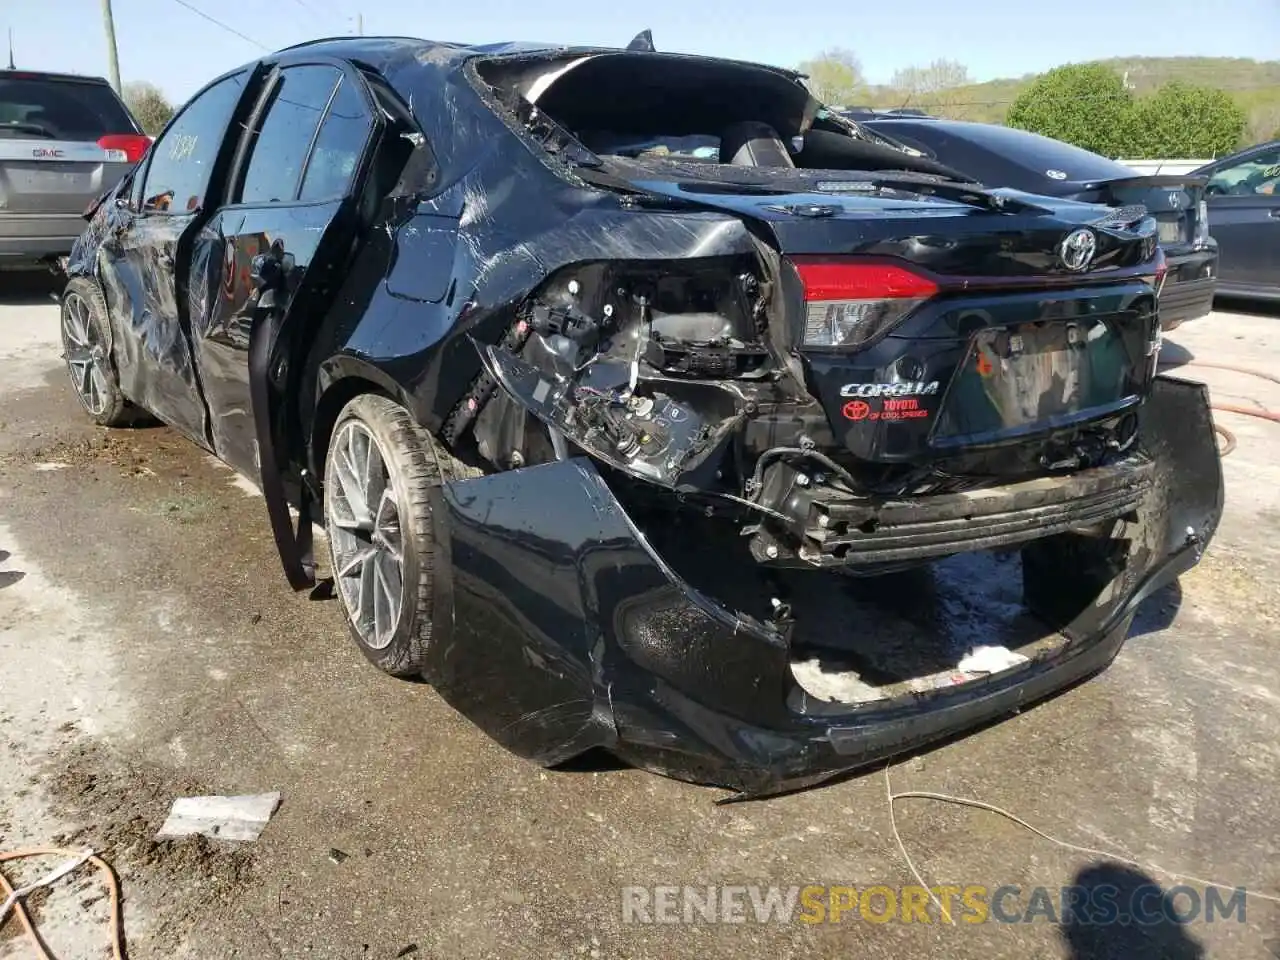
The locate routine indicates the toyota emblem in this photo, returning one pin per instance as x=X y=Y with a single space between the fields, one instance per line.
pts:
x=1077 y=250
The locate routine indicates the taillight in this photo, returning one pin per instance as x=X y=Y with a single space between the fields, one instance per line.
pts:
x=1202 y=223
x=848 y=303
x=124 y=147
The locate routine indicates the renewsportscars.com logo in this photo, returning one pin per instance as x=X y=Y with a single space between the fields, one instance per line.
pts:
x=1096 y=905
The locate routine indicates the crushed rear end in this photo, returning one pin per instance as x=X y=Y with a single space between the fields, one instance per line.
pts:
x=741 y=494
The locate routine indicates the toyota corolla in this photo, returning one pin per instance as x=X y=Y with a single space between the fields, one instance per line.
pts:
x=623 y=381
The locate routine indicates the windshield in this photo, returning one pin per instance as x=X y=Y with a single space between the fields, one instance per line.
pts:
x=55 y=109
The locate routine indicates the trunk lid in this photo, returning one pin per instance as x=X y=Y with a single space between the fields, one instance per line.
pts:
x=1174 y=200
x=55 y=176
x=948 y=227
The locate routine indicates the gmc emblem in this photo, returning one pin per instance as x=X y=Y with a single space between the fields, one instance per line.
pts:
x=44 y=153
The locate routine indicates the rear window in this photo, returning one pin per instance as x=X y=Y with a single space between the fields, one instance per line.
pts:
x=48 y=109
x=1041 y=155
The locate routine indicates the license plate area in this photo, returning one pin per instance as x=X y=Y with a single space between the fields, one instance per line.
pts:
x=1043 y=375
x=49 y=178
x=1170 y=229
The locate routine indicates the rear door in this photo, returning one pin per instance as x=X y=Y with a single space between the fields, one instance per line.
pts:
x=1243 y=197
x=292 y=199
x=63 y=142
x=141 y=259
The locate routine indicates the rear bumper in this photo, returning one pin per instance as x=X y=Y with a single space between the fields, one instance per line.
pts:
x=559 y=627
x=852 y=532
x=1189 y=287
x=35 y=237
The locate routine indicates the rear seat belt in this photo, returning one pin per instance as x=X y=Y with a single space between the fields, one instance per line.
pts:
x=294 y=546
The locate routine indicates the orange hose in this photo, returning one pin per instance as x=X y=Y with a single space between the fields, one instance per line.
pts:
x=113 y=886
x=1223 y=366
x=1260 y=412
x=1248 y=411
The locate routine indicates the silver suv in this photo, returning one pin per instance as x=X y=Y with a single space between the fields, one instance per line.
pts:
x=64 y=141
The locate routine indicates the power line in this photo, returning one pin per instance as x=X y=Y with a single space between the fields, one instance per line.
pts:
x=330 y=10
x=314 y=11
x=218 y=23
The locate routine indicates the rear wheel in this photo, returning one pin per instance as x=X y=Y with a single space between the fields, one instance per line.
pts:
x=379 y=470
x=86 y=347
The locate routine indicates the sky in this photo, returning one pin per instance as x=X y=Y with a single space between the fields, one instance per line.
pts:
x=165 y=42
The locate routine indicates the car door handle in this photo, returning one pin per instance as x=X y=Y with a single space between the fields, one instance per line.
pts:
x=1275 y=213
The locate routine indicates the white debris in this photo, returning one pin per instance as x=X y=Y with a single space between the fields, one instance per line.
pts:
x=989 y=659
x=220 y=818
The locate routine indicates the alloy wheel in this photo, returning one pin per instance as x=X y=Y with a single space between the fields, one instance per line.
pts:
x=362 y=519
x=86 y=355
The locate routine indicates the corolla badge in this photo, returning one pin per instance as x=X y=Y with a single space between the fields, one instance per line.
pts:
x=1077 y=250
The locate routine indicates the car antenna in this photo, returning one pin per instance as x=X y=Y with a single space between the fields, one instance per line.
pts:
x=643 y=42
x=11 y=64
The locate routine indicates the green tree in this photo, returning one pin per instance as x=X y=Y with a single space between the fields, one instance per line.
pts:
x=1184 y=121
x=835 y=76
x=1086 y=104
x=148 y=105
x=929 y=86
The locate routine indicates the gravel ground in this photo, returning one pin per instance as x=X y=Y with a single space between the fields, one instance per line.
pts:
x=150 y=649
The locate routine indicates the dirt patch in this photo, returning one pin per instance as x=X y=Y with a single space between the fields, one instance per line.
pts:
x=145 y=451
x=120 y=805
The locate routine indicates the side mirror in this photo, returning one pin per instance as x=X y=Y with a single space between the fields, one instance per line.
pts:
x=264 y=271
x=268 y=271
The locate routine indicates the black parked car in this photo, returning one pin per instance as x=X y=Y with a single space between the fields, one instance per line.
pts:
x=586 y=411
x=1005 y=157
x=1243 y=194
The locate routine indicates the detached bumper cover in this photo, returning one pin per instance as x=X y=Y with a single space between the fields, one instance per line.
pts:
x=1189 y=287
x=558 y=628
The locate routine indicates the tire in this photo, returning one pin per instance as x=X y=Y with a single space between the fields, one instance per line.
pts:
x=86 y=337
x=410 y=463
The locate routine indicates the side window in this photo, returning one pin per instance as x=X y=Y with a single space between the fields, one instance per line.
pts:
x=182 y=159
x=1259 y=174
x=281 y=146
x=337 y=152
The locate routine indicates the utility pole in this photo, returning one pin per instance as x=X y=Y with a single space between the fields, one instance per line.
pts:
x=360 y=24
x=113 y=55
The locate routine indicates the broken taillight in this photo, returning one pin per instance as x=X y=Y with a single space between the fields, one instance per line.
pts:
x=848 y=303
x=1201 y=237
x=124 y=147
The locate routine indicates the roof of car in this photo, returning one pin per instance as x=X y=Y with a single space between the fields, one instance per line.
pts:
x=444 y=54
x=21 y=74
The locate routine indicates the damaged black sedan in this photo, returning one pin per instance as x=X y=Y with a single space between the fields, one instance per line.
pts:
x=630 y=389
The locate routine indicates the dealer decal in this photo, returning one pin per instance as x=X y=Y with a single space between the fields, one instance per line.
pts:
x=887 y=401
x=903 y=408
